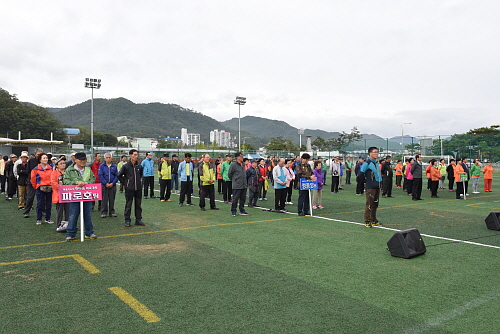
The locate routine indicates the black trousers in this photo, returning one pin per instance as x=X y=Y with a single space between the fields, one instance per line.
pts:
x=219 y=186
x=387 y=186
x=360 y=188
x=227 y=190
x=29 y=198
x=149 y=182
x=207 y=191
x=186 y=190
x=450 y=183
x=335 y=183
x=11 y=187
x=398 y=180
x=132 y=195
x=289 y=191
x=165 y=189
x=416 y=191
x=348 y=177
x=239 y=197
x=434 y=187
x=459 y=189
x=263 y=192
x=279 y=199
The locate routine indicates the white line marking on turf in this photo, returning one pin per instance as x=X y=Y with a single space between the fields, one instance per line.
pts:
x=386 y=228
x=425 y=235
x=450 y=315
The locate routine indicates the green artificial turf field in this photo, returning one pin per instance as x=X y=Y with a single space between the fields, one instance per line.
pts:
x=190 y=271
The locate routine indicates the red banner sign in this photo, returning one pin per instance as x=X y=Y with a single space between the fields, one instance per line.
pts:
x=89 y=192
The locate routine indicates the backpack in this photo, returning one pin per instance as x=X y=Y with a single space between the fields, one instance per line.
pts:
x=361 y=178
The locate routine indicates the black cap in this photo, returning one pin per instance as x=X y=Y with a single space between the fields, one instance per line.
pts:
x=237 y=154
x=174 y=155
x=80 y=156
x=229 y=155
x=166 y=155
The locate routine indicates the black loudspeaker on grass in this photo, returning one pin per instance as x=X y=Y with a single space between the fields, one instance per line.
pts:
x=406 y=244
x=492 y=221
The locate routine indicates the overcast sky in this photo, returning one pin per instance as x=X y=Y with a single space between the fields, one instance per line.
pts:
x=327 y=65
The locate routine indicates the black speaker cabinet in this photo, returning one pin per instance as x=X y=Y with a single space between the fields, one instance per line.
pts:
x=406 y=244
x=492 y=221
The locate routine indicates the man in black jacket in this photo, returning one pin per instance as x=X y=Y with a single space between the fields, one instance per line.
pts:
x=387 y=177
x=131 y=175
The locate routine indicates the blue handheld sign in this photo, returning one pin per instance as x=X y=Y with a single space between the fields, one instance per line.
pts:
x=306 y=184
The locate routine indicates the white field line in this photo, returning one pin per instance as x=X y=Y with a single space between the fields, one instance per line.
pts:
x=386 y=228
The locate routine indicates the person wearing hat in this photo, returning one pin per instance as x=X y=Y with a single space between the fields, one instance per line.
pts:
x=174 y=164
x=72 y=160
x=237 y=175
x=11 y=178
x=79 y=174
x=22 y=180
x=304 y=171
x=165 y=176
x=30 y=195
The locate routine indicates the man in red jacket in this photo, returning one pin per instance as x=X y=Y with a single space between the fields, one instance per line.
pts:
x=95 y=170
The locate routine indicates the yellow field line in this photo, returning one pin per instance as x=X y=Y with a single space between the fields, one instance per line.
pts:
x=77 y=257
x=161 y=231
x=137 y=306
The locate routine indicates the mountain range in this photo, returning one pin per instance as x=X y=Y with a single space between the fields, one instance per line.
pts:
x=158 y=120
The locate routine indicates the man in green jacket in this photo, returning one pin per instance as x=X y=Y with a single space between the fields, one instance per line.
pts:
x=206 y=171
x=227 y=188
x=79 y=174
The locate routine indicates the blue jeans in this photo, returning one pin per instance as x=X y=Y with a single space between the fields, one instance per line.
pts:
x=175 y=182
x=43 y=202
x=74 y=212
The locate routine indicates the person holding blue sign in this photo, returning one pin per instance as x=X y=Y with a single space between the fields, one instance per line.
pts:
x=304 y=171
x=280 y=180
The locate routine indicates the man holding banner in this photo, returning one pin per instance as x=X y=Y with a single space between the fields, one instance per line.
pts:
x=79 y=174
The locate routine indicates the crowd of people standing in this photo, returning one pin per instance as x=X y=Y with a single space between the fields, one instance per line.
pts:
x=237 y=179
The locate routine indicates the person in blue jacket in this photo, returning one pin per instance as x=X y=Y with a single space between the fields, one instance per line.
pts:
x=148 y=169
x=373 y=179
x=108 y=175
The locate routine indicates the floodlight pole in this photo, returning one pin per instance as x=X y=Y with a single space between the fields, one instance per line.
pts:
x=239 y=101
x=92 y=83
x=402 y=143
x=92 y=124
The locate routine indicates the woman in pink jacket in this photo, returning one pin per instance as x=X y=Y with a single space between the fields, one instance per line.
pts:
x=409 y=176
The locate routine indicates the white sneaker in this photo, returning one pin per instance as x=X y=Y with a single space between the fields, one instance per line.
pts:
x=475 y=192
x=39 y=222
x=49 y=221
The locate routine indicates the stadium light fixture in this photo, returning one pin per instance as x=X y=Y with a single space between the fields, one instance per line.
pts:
x=240 y=101
x=92 y=84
